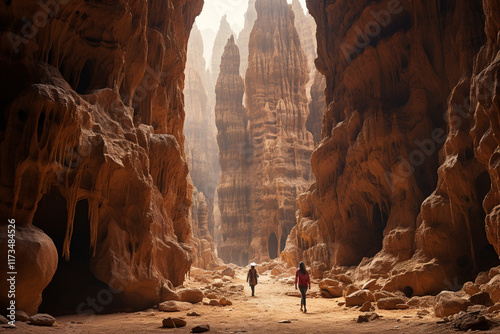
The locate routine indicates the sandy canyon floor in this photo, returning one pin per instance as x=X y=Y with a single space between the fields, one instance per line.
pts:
x=259 y=314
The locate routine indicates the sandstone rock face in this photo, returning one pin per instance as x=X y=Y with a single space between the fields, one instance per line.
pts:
x=223 y=34
x=406 y=154
x=315 y=88
x=276 y=166
x=91 y=146
x=201 y=151
x=233 y=189
x=244 y=36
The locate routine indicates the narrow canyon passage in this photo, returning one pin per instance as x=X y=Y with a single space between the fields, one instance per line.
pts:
x=275 y=301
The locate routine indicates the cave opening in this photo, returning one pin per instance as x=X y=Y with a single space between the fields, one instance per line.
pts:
x=485 y=255
x=73 y=283
x=272 y=246
x=85 y=78
x=283 y=241
x=379 y=222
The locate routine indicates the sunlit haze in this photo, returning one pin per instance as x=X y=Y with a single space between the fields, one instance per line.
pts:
x=213 y=10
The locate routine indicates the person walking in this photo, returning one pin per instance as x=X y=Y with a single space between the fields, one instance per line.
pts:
x=302 y=277
x=252 y=277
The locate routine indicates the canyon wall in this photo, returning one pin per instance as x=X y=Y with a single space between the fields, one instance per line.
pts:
x=201 y=149
x=92 y=150
x=244 y=36
x=276 y=164
x=223 y=34
x=405 y=173
x=235 y=151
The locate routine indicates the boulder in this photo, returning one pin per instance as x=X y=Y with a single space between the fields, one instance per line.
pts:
x=22 y=316
x=42 y=319
x=472 y=321
x=482 y=278
x=213 y=302
x=471 y=288
x=174 y=306
x=422 y=301
x=224 y=302
x=350 y=289
x=228 y=272
x=200 y=329
x=174 y=322
x=493 y=288
x=382 y=294
x=367 y=317
x=193 y=314
x=367 y=306
x=390 y=303
x=330 y=288
x=190 y=295
x=481 y=298
x=167 y=292
x=358 y=298
x=448 y=303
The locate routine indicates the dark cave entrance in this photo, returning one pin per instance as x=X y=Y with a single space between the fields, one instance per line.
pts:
x=283 y=241
x=485 y=254
x=73 y=283
x=272 y=245
x=379 y=222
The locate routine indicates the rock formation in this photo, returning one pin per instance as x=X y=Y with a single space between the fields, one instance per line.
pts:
x=234 y=154
x=315 y=88
x=201 y=146
x=244 y=36
x=275 y=168
x=92 y=160
x=317 y=106
x=223 y=34
x=405 y=175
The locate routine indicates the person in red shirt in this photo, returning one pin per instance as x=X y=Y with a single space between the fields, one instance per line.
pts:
x=302 y=277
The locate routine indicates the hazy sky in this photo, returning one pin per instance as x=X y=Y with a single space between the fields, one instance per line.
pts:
x=214 y=10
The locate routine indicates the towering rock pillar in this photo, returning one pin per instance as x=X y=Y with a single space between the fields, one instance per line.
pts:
x=233 y=192
x=244 y=36
x=277 y=112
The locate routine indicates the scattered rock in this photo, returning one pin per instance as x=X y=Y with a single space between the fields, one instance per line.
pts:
x=211 y=295
x=228 y=272
x=481 y=298
x=224 y=302
x=193 y=314
x=471 y=288
x=472 y=321
x=174 y=306
x=371 y=285
x=284 y=322
x=382 y=294
x=192 y=296
x=42 y=319
x=476 y=308
x=422 y=301
x=448 y=303
x=330 y=288
x=351 y=288
x=22 y=316
x=367 y=317
x=214 y=302
x=293 y=294
x=358 y=298
x=494 y=308
x=390 y=303
x=367 y=306
x=493 y=288
x=341 y=303
x=482 y=278
x=174 y=322
x=167 y=292
x=200 y=329
x=344 y=278
x=402 y=306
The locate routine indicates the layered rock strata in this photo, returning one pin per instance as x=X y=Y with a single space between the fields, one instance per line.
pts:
x=223 y=34
x=244 y=36
x=201 y=146
x=235 y=158
x=405 y=170
x=276 y=166
x=92 y=160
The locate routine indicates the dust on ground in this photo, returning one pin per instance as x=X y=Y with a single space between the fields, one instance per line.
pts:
x=259 y=314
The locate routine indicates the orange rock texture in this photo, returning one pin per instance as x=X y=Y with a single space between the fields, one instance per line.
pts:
x=244 y=36
x=201 y=150
x=92 y=151
x=275 y=167
x=234 y=157
x=405 y=172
